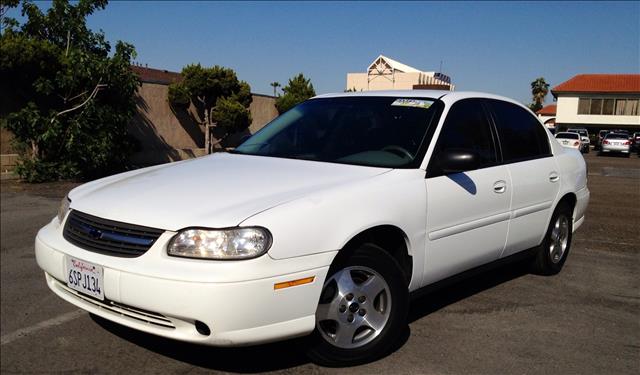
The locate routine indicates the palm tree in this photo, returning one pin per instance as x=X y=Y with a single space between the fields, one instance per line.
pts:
x=274 y=85
x=539 y=90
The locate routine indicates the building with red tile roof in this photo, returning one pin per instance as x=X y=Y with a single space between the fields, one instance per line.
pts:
x=600 y=83
x=598 y=101
x=547 y=110
x=547 y=115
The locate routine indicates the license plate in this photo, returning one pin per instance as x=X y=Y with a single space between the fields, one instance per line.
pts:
x=85 y=277
x=565 y=142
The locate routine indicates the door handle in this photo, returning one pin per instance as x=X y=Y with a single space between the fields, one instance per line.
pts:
x=499 y=187
x=554 y=177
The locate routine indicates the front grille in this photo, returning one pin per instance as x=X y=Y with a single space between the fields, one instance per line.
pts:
x=107 y=236
x=131 y=312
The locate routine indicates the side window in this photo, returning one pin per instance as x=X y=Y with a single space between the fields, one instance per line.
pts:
x=521 y=135
x=467 y=127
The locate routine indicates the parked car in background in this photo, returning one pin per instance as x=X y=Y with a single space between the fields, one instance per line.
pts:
x=616 y=143
x=321 y=223
x=622 y=131
x=584 y=138
x=635 y=141
x=601 y=135
x=569 y=140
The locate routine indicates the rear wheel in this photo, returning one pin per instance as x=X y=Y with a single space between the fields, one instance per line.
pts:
x=554 y=249
x=362 y=309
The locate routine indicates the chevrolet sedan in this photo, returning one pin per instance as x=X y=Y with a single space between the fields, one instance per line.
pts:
x=616 y=143
x=320 y=224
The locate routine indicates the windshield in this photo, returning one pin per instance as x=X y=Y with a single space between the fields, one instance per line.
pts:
x=372 y=131
x=567 y=136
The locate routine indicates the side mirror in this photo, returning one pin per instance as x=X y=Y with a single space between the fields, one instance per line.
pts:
x=458 y=160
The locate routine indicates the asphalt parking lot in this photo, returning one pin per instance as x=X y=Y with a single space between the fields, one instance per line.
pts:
x=585 y=320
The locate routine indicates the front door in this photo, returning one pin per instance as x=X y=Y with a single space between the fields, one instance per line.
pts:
x=467 y=213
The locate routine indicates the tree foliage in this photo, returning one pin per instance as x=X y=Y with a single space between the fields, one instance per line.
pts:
x=216 y=93
x=66 y=96
x=539 y=91
x=231 y=114
x=296 y=91
x=275 y=86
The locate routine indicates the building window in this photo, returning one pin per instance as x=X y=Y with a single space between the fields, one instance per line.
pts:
x=631 y=108
x=583 y=106
x=608 y=106
x=620 y=106
x=596 y=107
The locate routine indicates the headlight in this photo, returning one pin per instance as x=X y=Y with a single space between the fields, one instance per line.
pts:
x=63 y=209
x=236 y=243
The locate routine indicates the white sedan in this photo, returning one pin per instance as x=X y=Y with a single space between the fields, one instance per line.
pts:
x=569 y=139
x=320 y=224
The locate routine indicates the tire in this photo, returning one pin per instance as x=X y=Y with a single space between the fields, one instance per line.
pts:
x=553 y=251
x=366 y=284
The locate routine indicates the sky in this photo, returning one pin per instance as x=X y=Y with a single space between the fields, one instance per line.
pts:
x=493 y=47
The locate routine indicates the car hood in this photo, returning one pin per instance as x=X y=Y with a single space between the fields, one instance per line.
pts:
x=220 y=190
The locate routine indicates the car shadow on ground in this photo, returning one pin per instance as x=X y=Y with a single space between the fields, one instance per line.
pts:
x=441 y=295
x=289 y=354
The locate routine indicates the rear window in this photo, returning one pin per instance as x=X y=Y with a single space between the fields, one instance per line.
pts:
x=579 y=131
x=568 y=136
x=522 y=136
x=616 y=136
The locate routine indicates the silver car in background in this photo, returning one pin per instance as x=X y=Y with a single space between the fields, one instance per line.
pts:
x=616 y=143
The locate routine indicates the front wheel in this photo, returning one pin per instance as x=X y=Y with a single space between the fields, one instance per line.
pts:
x=362 y=309
x=553 y=251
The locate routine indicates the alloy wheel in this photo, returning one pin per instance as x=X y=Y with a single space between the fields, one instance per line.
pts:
x=354 y=307
x=559 y=238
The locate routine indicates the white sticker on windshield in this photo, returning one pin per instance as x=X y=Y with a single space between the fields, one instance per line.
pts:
x=416 y=103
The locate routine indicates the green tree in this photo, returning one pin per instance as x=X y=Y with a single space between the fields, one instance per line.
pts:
x=297 y=90
x=275 y=85
x=5 y=5
x=539 y=91
x=217 y=95
x=66 y=101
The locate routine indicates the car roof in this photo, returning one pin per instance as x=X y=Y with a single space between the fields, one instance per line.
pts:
x=447 y=96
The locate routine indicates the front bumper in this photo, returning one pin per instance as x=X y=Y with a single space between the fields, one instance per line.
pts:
x=166 y=296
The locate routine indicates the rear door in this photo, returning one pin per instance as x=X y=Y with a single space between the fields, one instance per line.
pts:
x=534 y=174
x=467 y=213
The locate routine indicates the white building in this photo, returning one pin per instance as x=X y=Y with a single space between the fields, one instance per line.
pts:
x=599 y=101
x=388 y=74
